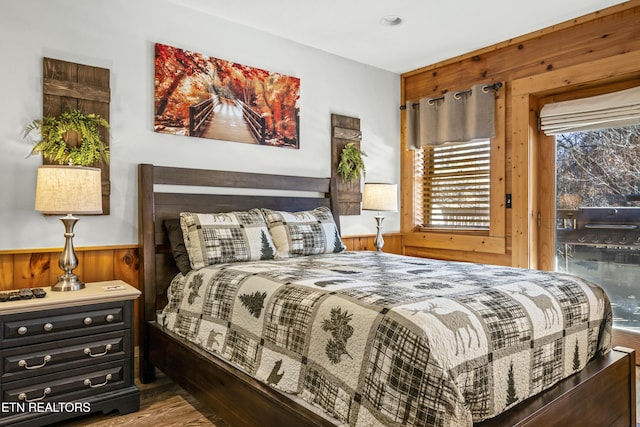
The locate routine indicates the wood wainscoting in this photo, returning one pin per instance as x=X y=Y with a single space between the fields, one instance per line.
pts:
x=38 y=268
x=393 y=243
x=34 y=268
x=31 y=268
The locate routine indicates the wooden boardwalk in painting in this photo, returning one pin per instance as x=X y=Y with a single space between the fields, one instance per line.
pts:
x=226 y=123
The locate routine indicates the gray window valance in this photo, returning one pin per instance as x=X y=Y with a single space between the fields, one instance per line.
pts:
x=616 y=109
x=455 y=117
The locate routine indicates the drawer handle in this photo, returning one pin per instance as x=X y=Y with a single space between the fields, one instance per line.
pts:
x=110 y=318
x=23 y=363
x=48 y=327
x=22 y=330
x=107 y=347
x=106 y=380
x=87 y=321
x=23 y=396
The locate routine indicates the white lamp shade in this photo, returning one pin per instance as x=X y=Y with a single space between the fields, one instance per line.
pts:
x=68 y=190
x=380 y=197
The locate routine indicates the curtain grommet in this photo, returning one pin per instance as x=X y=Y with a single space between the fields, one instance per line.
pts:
x=485 y=89
x=457 y=95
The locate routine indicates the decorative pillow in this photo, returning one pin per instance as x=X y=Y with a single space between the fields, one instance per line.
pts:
x=218 y=238
x=303 y=233
x=176 y=241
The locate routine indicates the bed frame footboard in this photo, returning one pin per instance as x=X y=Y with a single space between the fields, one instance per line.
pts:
x=233 y=395
x=602 y=394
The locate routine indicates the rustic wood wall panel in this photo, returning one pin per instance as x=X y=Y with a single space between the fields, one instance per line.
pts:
x=345 y=130
x=70 y=86
x=582 y=43
x=392 y=243
x=39 y=268
x=22 y=269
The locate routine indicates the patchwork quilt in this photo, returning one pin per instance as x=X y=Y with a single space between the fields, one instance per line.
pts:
x=380 y=339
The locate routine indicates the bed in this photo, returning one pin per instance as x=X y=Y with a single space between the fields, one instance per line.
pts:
x=245 y=387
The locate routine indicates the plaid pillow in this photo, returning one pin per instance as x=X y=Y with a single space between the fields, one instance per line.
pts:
x=218 y=238
x=303 y=233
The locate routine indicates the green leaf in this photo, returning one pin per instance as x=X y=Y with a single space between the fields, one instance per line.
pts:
x=53 y=131
x=351 y=166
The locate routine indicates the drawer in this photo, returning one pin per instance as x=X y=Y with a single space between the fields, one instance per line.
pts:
x=34 y=394
x=48 y=325
x=40 y=359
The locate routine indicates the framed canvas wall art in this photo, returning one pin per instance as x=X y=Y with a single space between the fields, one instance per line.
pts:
x=202 y=96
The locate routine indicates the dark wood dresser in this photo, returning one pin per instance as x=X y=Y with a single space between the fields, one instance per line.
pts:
x=67 y=354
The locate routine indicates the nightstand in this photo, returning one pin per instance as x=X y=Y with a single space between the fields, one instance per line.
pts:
x=67 y=354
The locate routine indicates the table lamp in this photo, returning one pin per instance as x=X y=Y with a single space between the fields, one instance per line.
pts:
x=380 y=197
x=68 y=190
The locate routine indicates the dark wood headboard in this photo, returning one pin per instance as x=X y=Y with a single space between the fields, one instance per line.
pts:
x=157 y=265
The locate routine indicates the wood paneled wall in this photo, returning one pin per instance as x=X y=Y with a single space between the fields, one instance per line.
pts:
x=39 y=268
x=393 y=243
x=598 y=49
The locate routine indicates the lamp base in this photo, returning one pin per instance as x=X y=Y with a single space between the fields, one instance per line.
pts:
x=68 y=261
x=68 y=282
x=379 y=241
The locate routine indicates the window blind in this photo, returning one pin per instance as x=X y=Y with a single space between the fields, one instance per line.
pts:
x=616 y=109
x=456 y=185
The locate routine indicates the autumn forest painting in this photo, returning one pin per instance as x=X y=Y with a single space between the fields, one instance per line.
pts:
x=206 y=97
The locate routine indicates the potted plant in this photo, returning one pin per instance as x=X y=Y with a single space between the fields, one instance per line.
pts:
x=57 y=134
x=351 y=165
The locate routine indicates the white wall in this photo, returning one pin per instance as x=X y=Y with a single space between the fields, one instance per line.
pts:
x=120 y=35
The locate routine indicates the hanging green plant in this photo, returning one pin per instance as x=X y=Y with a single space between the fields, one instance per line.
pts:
x=56 y=131
x=351 y=165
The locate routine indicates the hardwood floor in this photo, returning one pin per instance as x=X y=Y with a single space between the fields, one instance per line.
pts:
x=163 y=403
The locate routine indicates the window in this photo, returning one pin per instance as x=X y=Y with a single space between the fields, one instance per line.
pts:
x=598 y=210
x=455 y=191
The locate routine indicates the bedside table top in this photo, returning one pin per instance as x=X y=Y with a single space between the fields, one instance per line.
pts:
x=93 y=293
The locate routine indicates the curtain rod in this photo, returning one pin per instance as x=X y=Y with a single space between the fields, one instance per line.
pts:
x=494 y=86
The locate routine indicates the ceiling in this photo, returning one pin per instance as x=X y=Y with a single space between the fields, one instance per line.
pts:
x=431 y=31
